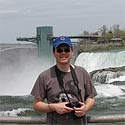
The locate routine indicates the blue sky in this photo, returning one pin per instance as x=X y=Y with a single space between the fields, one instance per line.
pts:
x=68 y=17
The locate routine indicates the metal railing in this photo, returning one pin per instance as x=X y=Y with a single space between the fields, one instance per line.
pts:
x=40 y=120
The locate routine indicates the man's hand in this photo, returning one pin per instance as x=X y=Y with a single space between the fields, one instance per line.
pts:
x=60 y=108
x=79 y=112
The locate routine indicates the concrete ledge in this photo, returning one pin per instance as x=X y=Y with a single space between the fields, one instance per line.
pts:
x=39 y=120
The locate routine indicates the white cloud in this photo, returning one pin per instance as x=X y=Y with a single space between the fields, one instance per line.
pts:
x=71 y=16
x=8 y=11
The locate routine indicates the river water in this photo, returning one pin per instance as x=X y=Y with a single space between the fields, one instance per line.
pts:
x=16 y=84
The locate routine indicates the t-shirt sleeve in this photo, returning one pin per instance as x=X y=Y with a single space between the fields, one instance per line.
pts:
x=38 y=90
x=90 y=90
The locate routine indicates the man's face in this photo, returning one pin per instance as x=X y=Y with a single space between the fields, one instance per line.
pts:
x=63 y=54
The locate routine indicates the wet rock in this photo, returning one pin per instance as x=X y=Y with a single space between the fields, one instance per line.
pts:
x=104 y=75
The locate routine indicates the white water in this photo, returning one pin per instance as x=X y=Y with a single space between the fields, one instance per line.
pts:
x=121 y=78
x=108 y=90
x=99 y=60
x=20 y=80
x=13 y=112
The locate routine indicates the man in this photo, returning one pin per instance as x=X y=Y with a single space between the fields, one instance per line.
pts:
x=67 y=88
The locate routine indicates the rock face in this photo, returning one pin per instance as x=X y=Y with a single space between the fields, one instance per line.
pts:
x=104 y=75
x=113 y=69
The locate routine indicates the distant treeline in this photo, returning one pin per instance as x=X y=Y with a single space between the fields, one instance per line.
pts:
x=108 y=33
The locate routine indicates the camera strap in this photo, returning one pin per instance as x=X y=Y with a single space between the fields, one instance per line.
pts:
x=60 y=81
x=75 y=81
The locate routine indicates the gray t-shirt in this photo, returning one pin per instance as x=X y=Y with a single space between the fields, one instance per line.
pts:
x=47 y=87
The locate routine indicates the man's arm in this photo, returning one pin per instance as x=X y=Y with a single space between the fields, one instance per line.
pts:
x=89 y=103
x=41 y=106
x=60 y=108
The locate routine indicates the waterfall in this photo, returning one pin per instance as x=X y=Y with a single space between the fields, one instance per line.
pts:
x=19 y=68
x=108 y=83
x=100 y=60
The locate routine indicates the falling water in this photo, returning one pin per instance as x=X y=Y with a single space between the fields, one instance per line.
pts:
x=99 y=60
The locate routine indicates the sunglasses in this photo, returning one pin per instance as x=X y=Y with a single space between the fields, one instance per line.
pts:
x=60 y=50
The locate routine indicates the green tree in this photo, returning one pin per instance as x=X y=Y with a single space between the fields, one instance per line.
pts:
x=109 y=35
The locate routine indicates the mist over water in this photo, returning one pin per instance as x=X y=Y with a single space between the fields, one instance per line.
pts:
x=19 y=69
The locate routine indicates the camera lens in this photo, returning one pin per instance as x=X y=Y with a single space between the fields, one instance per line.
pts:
x=73 y=104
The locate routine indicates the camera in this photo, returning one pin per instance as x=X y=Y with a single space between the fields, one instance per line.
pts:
x=73 y=104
